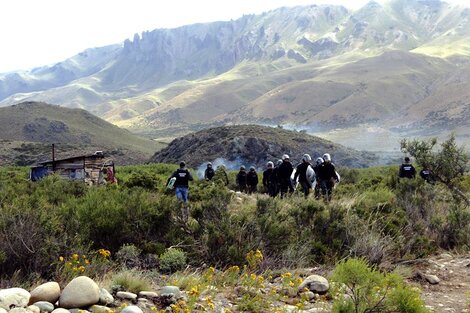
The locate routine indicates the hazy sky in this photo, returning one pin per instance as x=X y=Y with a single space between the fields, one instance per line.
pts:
x=40 y=32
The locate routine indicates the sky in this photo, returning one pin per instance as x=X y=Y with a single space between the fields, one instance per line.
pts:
x=41 y=32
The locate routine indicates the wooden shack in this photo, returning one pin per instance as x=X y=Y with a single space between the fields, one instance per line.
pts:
x=93 y=169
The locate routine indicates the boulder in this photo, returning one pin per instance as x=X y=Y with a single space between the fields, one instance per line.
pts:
x=2 y=310
x=170 y=291
x=432 y=279
x=105 y=297
x=44 y=306
x=14 y=297
x=33 y=309
x=81 y=292
x=126 y=295
x=132 y=309
x=49 y=292
x=315 y=283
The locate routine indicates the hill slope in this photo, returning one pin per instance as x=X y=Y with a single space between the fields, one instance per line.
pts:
x=254 y=145
x=28 y=129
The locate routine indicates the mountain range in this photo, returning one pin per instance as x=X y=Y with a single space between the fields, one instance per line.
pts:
x=401 y=67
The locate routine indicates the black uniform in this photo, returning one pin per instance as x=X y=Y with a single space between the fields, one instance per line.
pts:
x=407 y=170
x=269 y=181
x=252 y=181
x=327 y=178
x=316 y=169
x=428 y=176
x=301 y=173
x=283 y=175
x=209 y=173
x=241 y=180
x=183 y=176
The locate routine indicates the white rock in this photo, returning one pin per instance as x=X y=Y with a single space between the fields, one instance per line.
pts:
x=315 y=283
x=61 y=310
x=49 y=292
x=432 y=279
x=2 y=310
x=105 y=297
x=17 y=297
x=33 y=308
x=80 y=292
x=19 y=310
x=132 y=309
x=126 y=295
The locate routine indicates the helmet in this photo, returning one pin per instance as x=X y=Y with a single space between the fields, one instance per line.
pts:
x=285 y=157
x=270 y=164
x=407 y=160
x=242 y=167
x=279 y=162
x=209 y=164
x=327 y=157
x=182 y=164
x=319 y=161
x=306 y=158
x=252 y=168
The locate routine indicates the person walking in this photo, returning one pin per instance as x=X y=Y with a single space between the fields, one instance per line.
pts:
x=252 y=180
x=407 y=169
x=269 y=180
x=284 y=174
x=301 y=175
x=277 y=185
x=327 y=177
x=181 y=185
x=209 y=172
x=318 y=164
x=241 y=179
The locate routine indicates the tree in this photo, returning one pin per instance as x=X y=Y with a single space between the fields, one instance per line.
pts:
x=448 y=164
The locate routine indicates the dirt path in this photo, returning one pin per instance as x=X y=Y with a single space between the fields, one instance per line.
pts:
x=452 y=293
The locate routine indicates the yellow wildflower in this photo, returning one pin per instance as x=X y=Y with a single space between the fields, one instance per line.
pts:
x=75 y=256
x=61 y=259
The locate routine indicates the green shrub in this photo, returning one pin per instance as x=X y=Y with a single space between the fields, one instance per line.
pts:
x=360 y=288
x=131 y=280
x=173 y=260
x=129 y=256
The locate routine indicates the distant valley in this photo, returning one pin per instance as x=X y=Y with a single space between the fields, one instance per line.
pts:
x=362 y=78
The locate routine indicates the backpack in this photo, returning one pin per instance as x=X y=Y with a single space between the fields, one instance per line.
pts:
x=171 y=183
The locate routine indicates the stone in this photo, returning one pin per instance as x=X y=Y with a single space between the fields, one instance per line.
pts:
x=432 y=279
x=309 y=295
x=315 y=283
x=33 y=309
x=100 y=309
x=49 y=292
x=2 y=310
x=170 y=290
x=132 y=309
x=124 y=295
x=44 y=306
x=105 y=297
x=61 y=310
x=148 y=295
x=81 y=292
x=14 y=297
x=20 y=310
x=78 y=311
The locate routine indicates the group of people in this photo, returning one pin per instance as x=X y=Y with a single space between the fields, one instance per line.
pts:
x=407 y=170
x=282 y=178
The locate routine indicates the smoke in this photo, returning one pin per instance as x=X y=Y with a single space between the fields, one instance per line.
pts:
x=229 y=165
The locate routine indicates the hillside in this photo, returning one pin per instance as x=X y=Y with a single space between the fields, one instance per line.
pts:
x=254 y=145
x=27 y=131
x=400 y=66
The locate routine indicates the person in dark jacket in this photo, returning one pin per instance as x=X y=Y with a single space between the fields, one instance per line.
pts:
x=327 y=177
x=407 y=170
x=428 y=176
x=252 y=180
x=209 y=172
x=241 y=179
x=181 y=185
x=277 y=185
x=284 y=173
x=318 y=164
x=301 y=174
x=269 y=180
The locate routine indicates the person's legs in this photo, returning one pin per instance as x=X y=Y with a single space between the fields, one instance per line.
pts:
x=305 y=188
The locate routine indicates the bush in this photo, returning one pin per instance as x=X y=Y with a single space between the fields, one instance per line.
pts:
x=129 y=256
x=360 y=288
x=173 y=260
x=131 y=280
